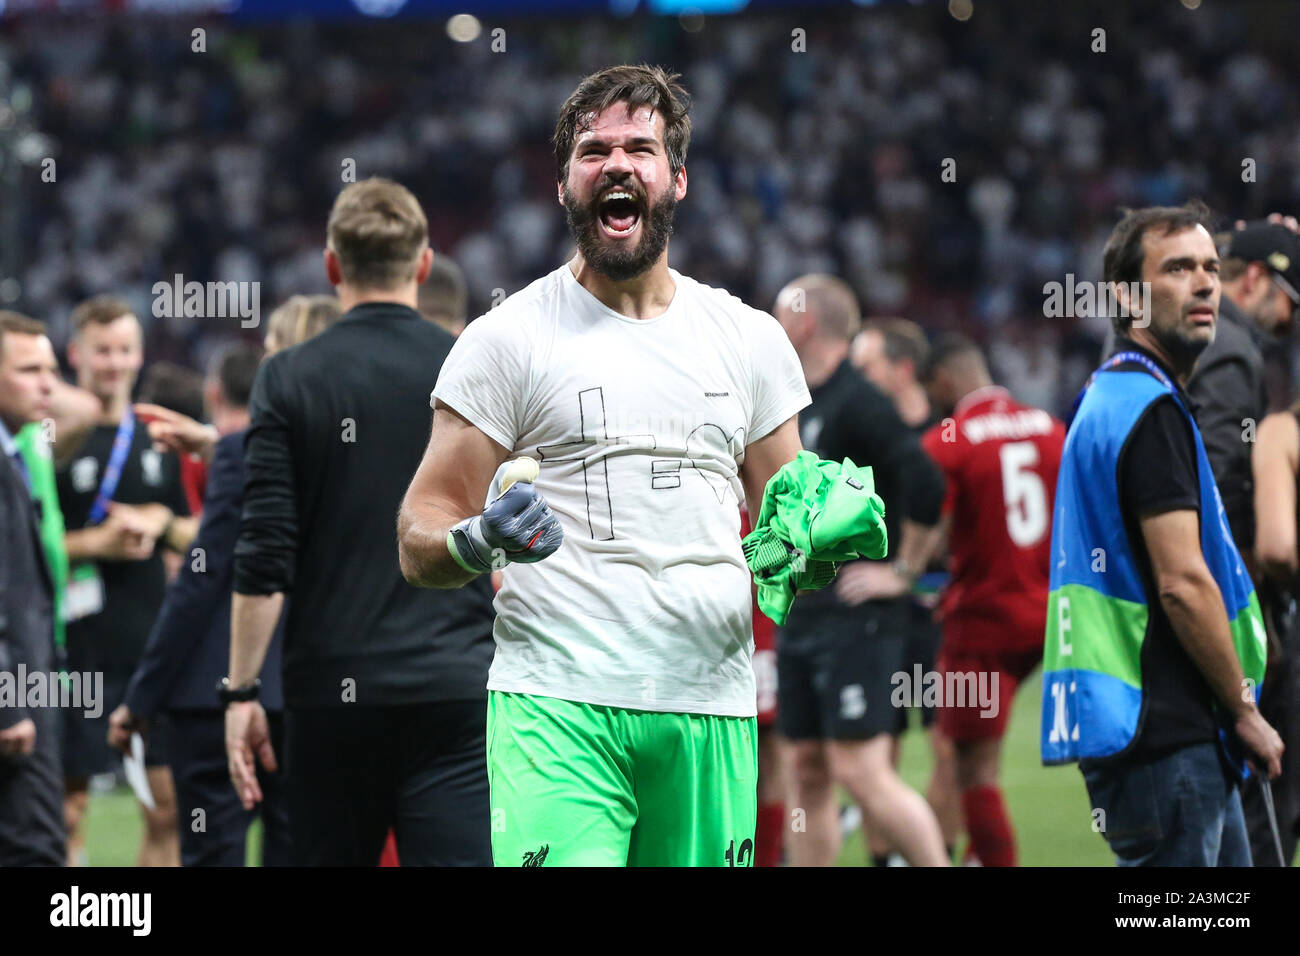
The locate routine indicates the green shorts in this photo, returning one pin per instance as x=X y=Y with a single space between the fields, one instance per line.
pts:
x=583 y=785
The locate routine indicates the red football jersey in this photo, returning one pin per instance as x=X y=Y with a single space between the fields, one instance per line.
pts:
x=1000 y=460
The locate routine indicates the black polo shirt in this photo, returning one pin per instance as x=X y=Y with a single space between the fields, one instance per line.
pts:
x=339 y=425
x=1157 y=472
x=851 y=418
x=112 y=640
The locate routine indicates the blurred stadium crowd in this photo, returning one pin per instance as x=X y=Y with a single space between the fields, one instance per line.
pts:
x=950 y=171
x=216 y=165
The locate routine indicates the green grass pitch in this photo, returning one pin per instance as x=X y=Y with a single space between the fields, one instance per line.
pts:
x=1049 y=806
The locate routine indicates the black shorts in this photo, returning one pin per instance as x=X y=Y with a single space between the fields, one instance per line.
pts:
x=922 y=647
x=835 y=672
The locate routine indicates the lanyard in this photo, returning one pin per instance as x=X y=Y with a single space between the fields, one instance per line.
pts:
x=1120 y=359
x=113 y=470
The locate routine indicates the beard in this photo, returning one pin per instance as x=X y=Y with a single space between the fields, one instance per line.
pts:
x=605 y=256
x=1183 y=343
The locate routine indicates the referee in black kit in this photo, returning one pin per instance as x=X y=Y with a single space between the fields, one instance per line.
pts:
x=384 y=684
x=841 y=647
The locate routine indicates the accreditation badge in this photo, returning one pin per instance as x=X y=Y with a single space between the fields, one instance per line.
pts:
x=84 y=595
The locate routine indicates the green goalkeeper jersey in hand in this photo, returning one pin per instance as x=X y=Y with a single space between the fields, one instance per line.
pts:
x=816 y=514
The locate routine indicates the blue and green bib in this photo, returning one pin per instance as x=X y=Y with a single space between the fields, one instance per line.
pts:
x=1098 y=613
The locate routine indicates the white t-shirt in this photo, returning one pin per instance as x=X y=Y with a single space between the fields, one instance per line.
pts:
x=639 y=426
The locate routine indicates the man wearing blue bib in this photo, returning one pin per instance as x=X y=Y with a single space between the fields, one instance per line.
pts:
x=1155 y=647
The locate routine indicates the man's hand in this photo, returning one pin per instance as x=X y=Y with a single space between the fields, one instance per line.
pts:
x=516 y=525
x=120 y=537
x=121 y=724
x=172 y=431
x=18 y=740
x=159 y=523
x=1263 y=745
x=1289 y=221
x=864 y=581
x=149 y=519
x=247 y=733
x=1277 y=219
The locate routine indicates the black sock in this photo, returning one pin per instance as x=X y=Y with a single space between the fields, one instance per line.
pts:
x=880 y=859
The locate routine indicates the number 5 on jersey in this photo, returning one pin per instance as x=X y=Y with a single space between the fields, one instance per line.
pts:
x=1023 y=492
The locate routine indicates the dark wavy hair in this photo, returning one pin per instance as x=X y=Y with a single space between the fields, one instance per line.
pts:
x=1122 y=258
x=637 y=86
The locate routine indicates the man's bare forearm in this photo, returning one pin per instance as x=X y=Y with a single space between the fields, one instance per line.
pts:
x=918 y=545
x=253 y=618
x=83 y=545
x=1198 y=617
x=422 y=548
x=181 y=532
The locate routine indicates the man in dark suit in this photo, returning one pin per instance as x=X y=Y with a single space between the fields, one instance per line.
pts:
x=188 y=651
x=385 y=684
x=31 y=777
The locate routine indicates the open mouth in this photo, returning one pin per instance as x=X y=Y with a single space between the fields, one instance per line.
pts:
x=619 y=213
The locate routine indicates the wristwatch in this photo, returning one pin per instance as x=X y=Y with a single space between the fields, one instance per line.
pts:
x=229 y=695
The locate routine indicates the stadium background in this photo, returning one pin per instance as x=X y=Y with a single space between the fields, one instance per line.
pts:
x=819 y=150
